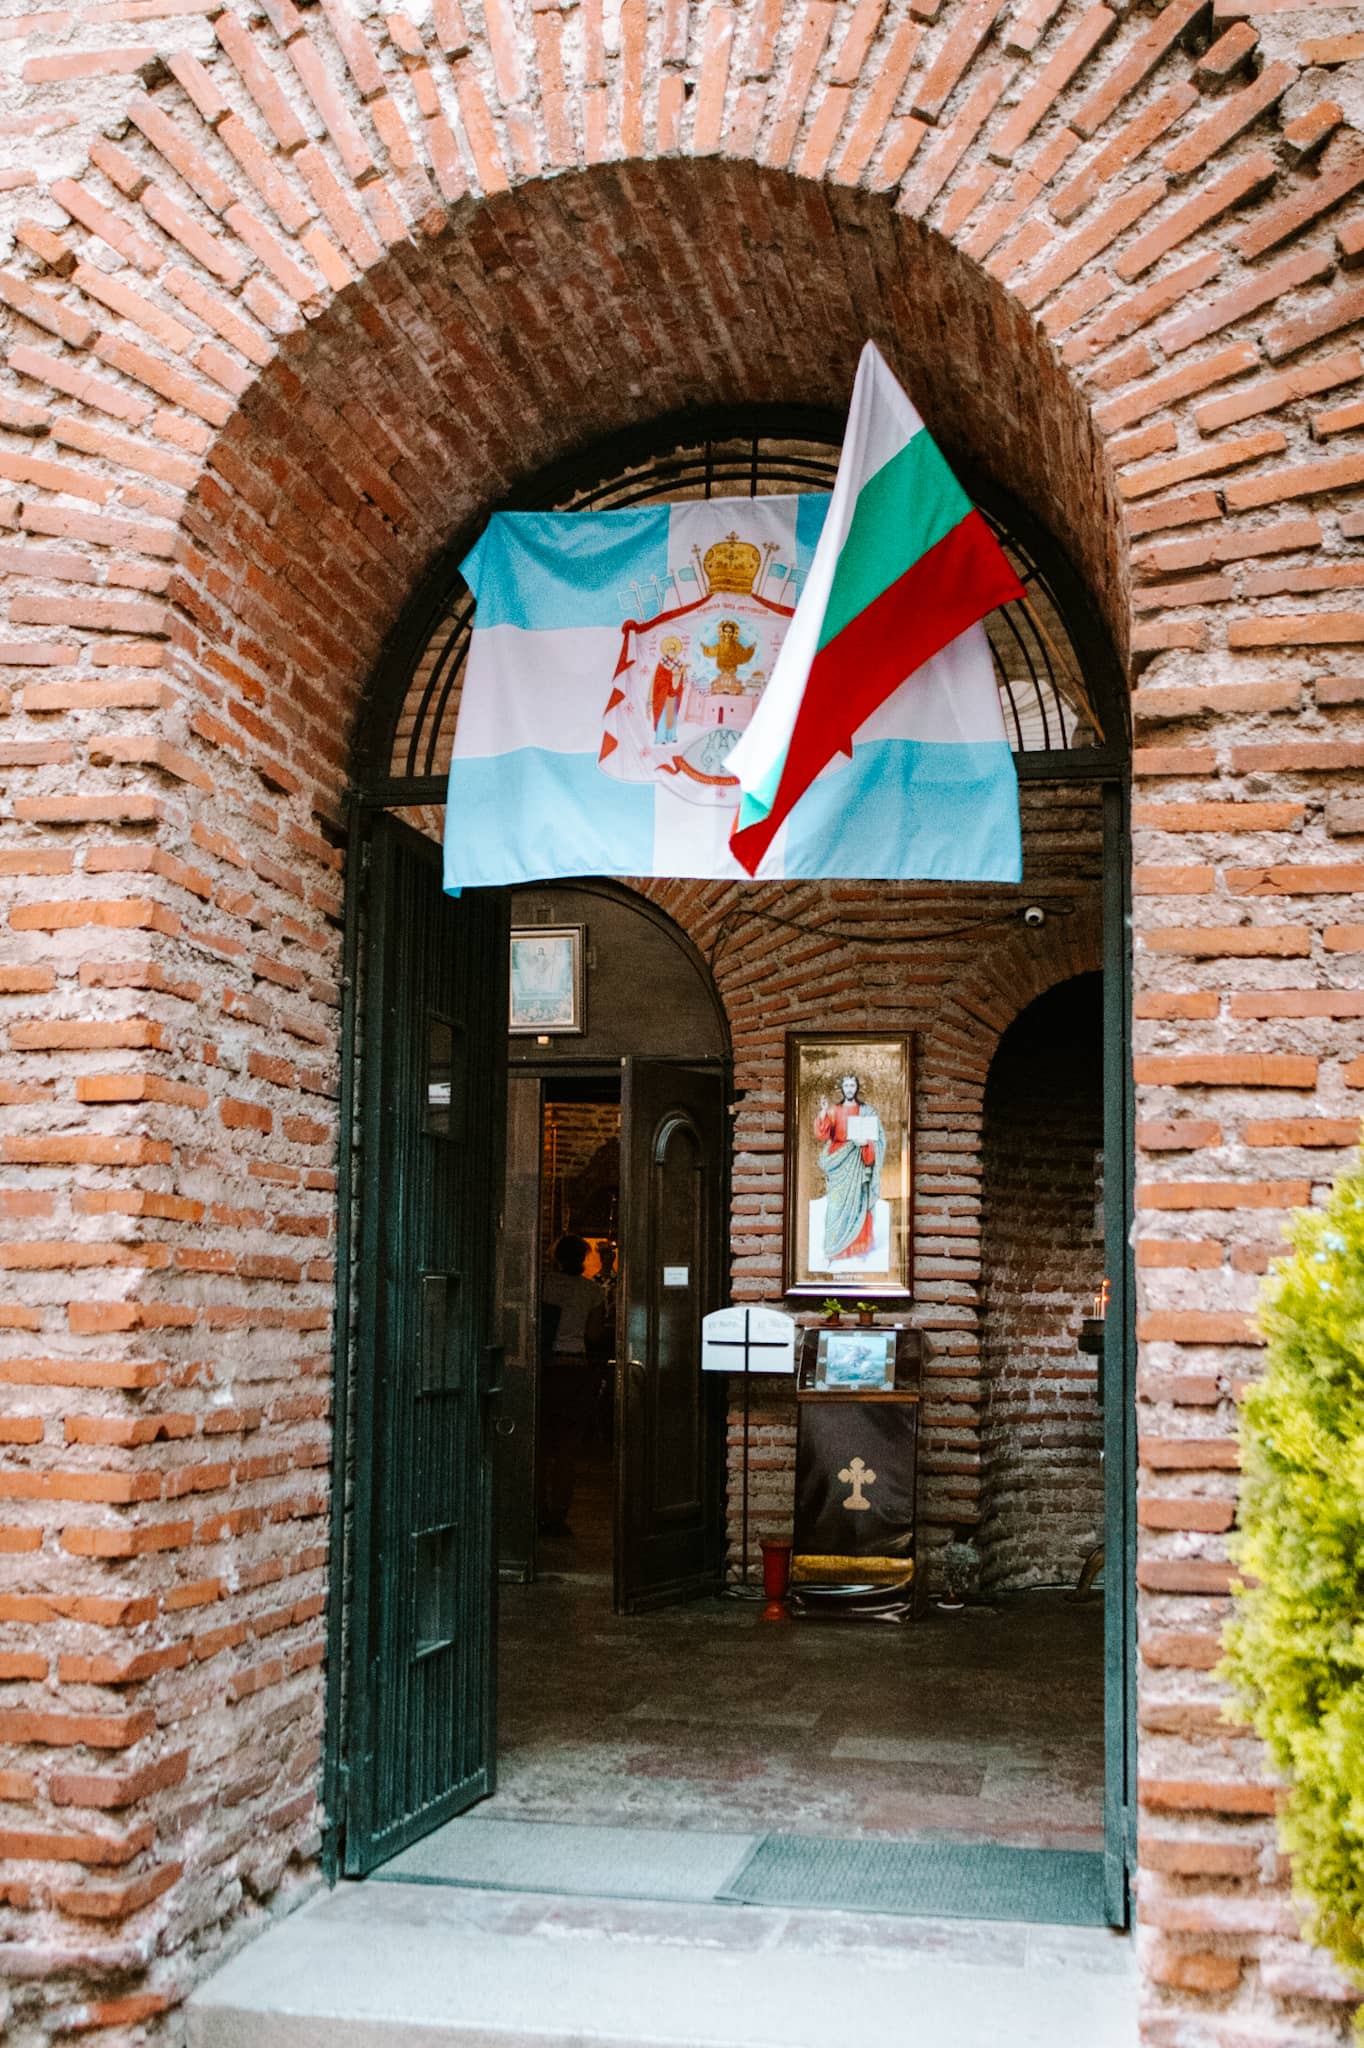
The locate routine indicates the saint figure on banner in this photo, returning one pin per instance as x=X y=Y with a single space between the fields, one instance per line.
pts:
x=670 y=678
x=850 y=1227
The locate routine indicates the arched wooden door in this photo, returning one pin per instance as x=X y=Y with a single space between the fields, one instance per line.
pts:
x=657 y=1040
x=670 y=1423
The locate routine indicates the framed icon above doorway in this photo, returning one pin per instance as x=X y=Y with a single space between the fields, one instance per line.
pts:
x=547 y=986
x=849 y=1158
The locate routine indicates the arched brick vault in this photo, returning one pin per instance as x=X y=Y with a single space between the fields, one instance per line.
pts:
x=277 y=321
x=689 y=300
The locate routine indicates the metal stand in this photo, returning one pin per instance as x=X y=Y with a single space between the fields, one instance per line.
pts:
x=1091 y=1571
x=743 y=1588
x=743 y=1539
x=737 y=1340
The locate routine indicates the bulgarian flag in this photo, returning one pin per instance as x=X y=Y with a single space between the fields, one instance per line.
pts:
x=904 y=567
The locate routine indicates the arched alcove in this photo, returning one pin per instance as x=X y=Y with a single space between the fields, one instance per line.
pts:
x=648 y=991
x=1042 y=1263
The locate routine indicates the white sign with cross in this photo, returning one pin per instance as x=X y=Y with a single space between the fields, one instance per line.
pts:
x=748 y=1340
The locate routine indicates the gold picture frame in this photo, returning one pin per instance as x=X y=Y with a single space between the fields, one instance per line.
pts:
x=849 y=1164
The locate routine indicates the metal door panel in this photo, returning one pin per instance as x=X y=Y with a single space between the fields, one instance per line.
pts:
x=518 y=1291
x=421 y=1630
x=1119 y=1371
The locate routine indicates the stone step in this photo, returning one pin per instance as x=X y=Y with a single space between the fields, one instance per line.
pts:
x=395 y=1965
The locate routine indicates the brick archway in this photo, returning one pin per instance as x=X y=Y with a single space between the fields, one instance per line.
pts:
x=453 y=427
x=288 y=298
x=981 y=1004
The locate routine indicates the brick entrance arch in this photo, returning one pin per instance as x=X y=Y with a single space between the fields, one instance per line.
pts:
x=289 y=299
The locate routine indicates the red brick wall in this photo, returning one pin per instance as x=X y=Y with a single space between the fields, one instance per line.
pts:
x=289 y=302
x=1042 y=1259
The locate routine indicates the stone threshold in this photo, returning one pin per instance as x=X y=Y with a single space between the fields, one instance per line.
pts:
x=398 y=1965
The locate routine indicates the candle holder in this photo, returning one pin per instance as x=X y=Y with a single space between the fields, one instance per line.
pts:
x=1092 y=1328
x=776 y=1576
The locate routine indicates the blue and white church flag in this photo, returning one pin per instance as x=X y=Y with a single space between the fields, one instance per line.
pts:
x=615 y=659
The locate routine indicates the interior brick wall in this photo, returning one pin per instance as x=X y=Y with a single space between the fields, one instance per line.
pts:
x=1042 y=1261
x=952 y=966
x=291 y=298
x=574 y=1133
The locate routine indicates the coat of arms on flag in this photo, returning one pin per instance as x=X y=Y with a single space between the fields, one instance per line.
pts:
x=689 y=679
x=630 y=669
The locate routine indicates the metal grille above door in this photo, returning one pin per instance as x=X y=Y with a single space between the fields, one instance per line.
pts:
x=1061 y=695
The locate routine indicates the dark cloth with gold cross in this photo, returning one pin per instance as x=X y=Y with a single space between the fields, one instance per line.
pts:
x=856 y=1487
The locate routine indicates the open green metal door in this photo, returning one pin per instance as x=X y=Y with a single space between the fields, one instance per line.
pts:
x=1119 y=1371
x=432 y=1116
x=518 y=1293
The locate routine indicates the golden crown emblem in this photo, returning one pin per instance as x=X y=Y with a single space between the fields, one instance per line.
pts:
x=732 y=564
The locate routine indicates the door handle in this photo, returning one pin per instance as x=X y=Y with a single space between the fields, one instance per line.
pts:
x=490 y=1379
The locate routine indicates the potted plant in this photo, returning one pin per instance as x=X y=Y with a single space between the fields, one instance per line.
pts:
x=833 y=1312
x=866 y=1313
x=1298 y=1596
x=960 y=1569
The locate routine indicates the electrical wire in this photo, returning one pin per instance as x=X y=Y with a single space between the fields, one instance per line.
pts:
x=741 y=913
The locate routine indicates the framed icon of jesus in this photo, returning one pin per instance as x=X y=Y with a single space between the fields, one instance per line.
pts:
x=547 y=992
x=849 y=1164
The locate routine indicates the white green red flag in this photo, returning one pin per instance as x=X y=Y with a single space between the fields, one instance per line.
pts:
x=904 y=571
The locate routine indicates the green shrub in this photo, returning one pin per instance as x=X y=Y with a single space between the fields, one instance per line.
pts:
x=1296 y=1644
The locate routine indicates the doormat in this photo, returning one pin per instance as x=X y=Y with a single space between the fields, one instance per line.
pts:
x=555 y=1856
x=938 y=1880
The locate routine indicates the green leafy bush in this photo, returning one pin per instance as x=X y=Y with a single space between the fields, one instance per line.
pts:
x=1296 y=1644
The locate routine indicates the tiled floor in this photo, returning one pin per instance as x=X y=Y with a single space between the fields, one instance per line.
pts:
x=986 y=1725
x=981 y=1725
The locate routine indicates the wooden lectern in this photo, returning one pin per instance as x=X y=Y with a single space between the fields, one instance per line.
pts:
x=858 y=1395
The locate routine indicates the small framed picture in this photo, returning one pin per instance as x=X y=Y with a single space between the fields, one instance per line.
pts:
x=849 y=1166
x=855 y=1361
x=547 y=991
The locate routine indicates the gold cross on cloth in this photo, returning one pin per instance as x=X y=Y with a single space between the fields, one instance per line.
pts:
x=857 y=1476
